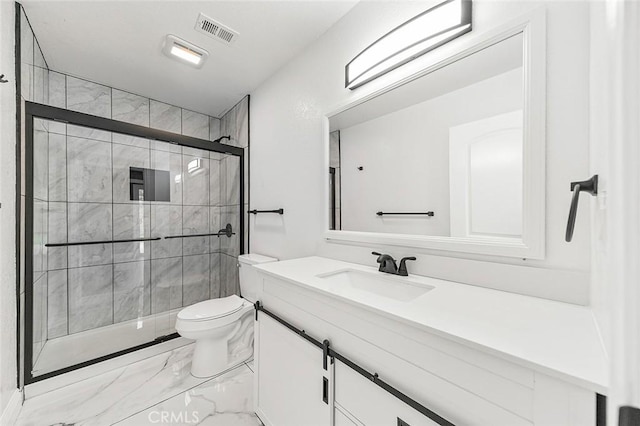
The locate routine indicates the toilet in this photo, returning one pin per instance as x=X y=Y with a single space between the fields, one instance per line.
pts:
x=213 y=322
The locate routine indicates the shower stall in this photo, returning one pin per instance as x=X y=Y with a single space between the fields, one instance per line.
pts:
x=125 y=225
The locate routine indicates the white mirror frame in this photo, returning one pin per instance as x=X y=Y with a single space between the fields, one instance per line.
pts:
x=532 y=245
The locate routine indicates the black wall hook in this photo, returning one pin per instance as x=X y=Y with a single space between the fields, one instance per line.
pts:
x=589 y=186
x=2 y=79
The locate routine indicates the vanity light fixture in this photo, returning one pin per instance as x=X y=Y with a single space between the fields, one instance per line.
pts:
x=182 y=50
x=419 y=35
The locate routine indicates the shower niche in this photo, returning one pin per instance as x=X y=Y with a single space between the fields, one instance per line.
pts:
x=148 y=184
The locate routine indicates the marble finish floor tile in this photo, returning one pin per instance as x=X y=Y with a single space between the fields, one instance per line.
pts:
x=116 y=395
x=222 y=401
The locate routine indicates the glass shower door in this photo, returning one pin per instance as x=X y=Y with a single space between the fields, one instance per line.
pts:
x=124 y=232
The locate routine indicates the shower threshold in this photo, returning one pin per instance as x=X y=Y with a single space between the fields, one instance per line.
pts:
x=67 y=351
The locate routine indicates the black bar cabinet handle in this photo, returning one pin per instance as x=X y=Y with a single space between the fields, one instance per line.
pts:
x=279 y=211
x=429 y=213
x=589 y=186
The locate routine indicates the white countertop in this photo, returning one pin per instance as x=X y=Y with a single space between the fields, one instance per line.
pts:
x=555 y=338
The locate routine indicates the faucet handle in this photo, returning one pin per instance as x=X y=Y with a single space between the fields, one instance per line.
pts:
x=402 y=270
x=375 y=253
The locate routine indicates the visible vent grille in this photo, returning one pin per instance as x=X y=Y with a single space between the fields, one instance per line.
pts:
x=215 y=29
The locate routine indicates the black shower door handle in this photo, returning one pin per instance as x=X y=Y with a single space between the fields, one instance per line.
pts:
x=590 y=186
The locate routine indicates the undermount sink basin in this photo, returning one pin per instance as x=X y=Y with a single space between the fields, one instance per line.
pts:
x=378 y=283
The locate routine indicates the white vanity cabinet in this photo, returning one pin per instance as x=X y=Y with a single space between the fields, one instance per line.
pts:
x=290 y=374
x=461 y=384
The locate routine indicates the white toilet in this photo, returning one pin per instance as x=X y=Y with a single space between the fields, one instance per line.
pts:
x=213 y=322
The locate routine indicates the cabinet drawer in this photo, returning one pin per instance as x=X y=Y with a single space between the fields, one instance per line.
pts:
x=370 y=404
x=373 y=406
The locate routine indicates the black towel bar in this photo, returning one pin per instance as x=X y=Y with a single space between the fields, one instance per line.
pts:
x=88 y=243
x=279 y=211
x=406 y=213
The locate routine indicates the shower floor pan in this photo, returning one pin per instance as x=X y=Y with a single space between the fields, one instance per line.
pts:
x=74 y=349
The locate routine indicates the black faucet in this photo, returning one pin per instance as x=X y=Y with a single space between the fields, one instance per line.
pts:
x=388 y=264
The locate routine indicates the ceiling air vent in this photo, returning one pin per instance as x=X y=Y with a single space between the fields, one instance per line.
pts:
x=216 y=30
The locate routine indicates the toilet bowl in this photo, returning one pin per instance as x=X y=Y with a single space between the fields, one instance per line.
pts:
x=214 y=322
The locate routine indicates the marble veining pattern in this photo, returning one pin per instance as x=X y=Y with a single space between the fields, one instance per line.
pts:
x=57 y=303
x=228 y=275
x=165 y=117
x=214 y=182
x=39 y=315
x=131 y=290
x=129 y=395
x=90 y=297
x=222 y=401
x=122 y=139
x=57 y=167
x=242 y=122
x=130 y=108
x=195 y=221
x=90 y=98
x=166 y=284
x=214 y=128
x=195 y=279
x=88 y=170
x=40 y=84
x=231 y=181
x=195 y=124
x=88 y=133
x=40 y=161
x=57 y=89
x=214 y=272
x=90 y=222
x=57 y=230
x=131 y=221
x=131 y=251
x=89 y=255
x=40 y=234
x=166 y=220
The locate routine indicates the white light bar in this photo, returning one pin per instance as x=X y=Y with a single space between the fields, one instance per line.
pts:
x=427 y=31
x=185 y=52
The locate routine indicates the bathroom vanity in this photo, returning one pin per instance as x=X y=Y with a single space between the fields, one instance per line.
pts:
x=418 y=351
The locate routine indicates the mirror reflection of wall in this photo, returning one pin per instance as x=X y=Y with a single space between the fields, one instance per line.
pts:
x=450 y=142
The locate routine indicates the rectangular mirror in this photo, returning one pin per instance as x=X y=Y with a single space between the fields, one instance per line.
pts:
x=452 y=159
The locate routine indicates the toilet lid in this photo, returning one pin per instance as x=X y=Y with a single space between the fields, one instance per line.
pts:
x=210 y=309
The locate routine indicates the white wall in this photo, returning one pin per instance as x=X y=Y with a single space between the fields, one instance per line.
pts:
x=288 y=152
x=405 y=157
x=8 y=315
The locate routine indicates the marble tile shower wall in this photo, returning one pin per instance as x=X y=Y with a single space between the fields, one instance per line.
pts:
x=96 y=285
x=34 y=86
x=235 y=123
x=123 y=281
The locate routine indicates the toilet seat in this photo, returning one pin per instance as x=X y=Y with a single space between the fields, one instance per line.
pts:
x=211 y=309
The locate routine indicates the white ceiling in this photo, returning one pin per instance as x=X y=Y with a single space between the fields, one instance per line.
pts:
x=118 y=43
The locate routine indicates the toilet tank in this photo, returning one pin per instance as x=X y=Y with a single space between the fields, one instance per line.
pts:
x=249 y=284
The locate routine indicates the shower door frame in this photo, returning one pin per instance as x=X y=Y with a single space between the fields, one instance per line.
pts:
x=35 y=110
